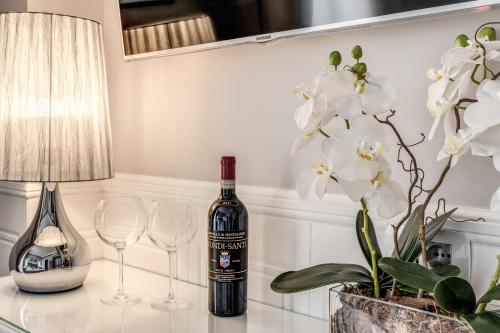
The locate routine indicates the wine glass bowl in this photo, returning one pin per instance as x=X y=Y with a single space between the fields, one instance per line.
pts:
x=171 y=224
x=120 y=222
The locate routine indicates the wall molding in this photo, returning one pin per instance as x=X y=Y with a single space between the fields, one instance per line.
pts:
x=32 y=190
x=285 y=202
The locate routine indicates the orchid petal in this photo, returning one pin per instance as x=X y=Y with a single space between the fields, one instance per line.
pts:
x=341 y=152
x=302 y=140
x=392 y=200
x=493 y=55
x=441 y=155
x=303 y=114
x=450 y=124
x=379 y=95
x=319 y=185
x=369 y=129
x=482 y=115
x=311 y=185
x=356 y=190
x=347 y=106
x=486 y=142
x=496 y=161
x=454 y=160
x=495 y=201
x=435 y=125
x=304 y=183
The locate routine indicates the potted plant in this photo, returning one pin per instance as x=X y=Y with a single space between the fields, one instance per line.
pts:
x=349 y=107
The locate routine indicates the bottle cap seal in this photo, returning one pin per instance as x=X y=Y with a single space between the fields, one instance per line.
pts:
x=227 y=170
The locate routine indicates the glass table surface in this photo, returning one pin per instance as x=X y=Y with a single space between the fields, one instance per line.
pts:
x=80 y=310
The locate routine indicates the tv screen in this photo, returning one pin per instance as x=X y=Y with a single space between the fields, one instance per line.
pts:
x=156 y=26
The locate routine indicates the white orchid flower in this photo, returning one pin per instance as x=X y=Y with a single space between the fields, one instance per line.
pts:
x=445 y=92
x=487 y=143
x=485 y=112
x=455 y=146
x=356 y=153
x=314 y=103
x=381 y=192
x=312 y=114
x=484 y=118
x=316 y=122
x=313 y=181
x=495 y=201
x=335 y=93
x=350 y=96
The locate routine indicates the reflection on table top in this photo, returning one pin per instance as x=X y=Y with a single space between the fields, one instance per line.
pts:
x=81 y=311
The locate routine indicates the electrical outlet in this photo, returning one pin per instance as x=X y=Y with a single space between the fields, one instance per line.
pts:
x=450 y=247
x=439 y=254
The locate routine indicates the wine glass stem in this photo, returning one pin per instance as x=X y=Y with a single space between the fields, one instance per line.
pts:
x=171 y=275
x=121 y=290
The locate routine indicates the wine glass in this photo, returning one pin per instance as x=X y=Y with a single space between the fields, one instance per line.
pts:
x=120 y=222
x=171 y=224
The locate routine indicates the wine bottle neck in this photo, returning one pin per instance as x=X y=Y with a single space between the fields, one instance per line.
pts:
x=227 y=188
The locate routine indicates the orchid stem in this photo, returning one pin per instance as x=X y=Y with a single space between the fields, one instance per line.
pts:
x=371 y=247
x=493 y=283
x=323 y=132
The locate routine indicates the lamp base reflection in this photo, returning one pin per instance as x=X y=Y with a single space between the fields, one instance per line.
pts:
x=66 y=312
x=51 y=256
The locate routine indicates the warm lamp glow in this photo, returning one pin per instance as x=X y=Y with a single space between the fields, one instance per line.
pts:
x=54 y=115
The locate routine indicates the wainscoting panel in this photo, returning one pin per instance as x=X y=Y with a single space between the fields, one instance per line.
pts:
x=285 y=233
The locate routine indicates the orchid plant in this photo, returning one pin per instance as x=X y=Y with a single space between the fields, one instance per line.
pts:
x=349 y=109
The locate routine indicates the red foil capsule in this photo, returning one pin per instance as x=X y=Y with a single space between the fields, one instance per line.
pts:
x=227 y=170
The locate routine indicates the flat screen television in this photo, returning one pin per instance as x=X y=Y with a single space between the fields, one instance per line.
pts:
x=165 y=27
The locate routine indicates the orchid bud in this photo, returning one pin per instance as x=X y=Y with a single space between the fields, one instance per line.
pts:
x=335 y=58
x=461 y=41
x=357 y=52
x=487 y=32
x=360 y=69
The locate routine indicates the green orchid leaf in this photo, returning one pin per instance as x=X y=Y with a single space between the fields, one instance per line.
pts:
x=431 y=230
x=410 y=274
x=319 y=276
x=362 y=240
x=484 y=322
x=409 y=239
x=455 y=295
x=491 y=295
x=446 y=271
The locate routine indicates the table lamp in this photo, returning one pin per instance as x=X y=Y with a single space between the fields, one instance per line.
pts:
x=55 y=128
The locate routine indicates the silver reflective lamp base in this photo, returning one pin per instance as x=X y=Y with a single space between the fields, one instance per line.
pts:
x=50 y=256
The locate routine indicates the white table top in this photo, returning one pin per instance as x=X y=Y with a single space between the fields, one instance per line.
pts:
x=80 y=310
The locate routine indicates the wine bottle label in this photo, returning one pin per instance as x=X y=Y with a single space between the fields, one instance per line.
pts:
x=227 y=256
x=227 y=184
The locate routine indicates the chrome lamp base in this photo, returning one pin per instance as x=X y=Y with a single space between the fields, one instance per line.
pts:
x=51 y=256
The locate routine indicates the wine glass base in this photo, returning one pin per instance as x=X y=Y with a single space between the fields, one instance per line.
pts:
x=122 y=300
x=165 y=304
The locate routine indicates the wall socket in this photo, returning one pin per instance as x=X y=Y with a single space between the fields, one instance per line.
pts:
x=439 y=254
x=450 y=247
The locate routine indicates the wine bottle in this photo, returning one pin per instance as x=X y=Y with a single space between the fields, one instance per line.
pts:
x=227 y=247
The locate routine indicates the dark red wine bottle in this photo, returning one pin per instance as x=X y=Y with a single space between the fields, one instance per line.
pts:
x=227 y=247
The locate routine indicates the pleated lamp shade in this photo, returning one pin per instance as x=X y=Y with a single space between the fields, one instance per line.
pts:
x=54 y=118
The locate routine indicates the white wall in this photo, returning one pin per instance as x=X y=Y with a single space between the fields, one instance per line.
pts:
x=174 y=116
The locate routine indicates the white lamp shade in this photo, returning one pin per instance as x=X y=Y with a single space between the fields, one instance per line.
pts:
x=54 y=116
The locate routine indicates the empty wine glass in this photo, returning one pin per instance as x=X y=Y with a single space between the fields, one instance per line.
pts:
x=120 y=222
x=171 y=223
